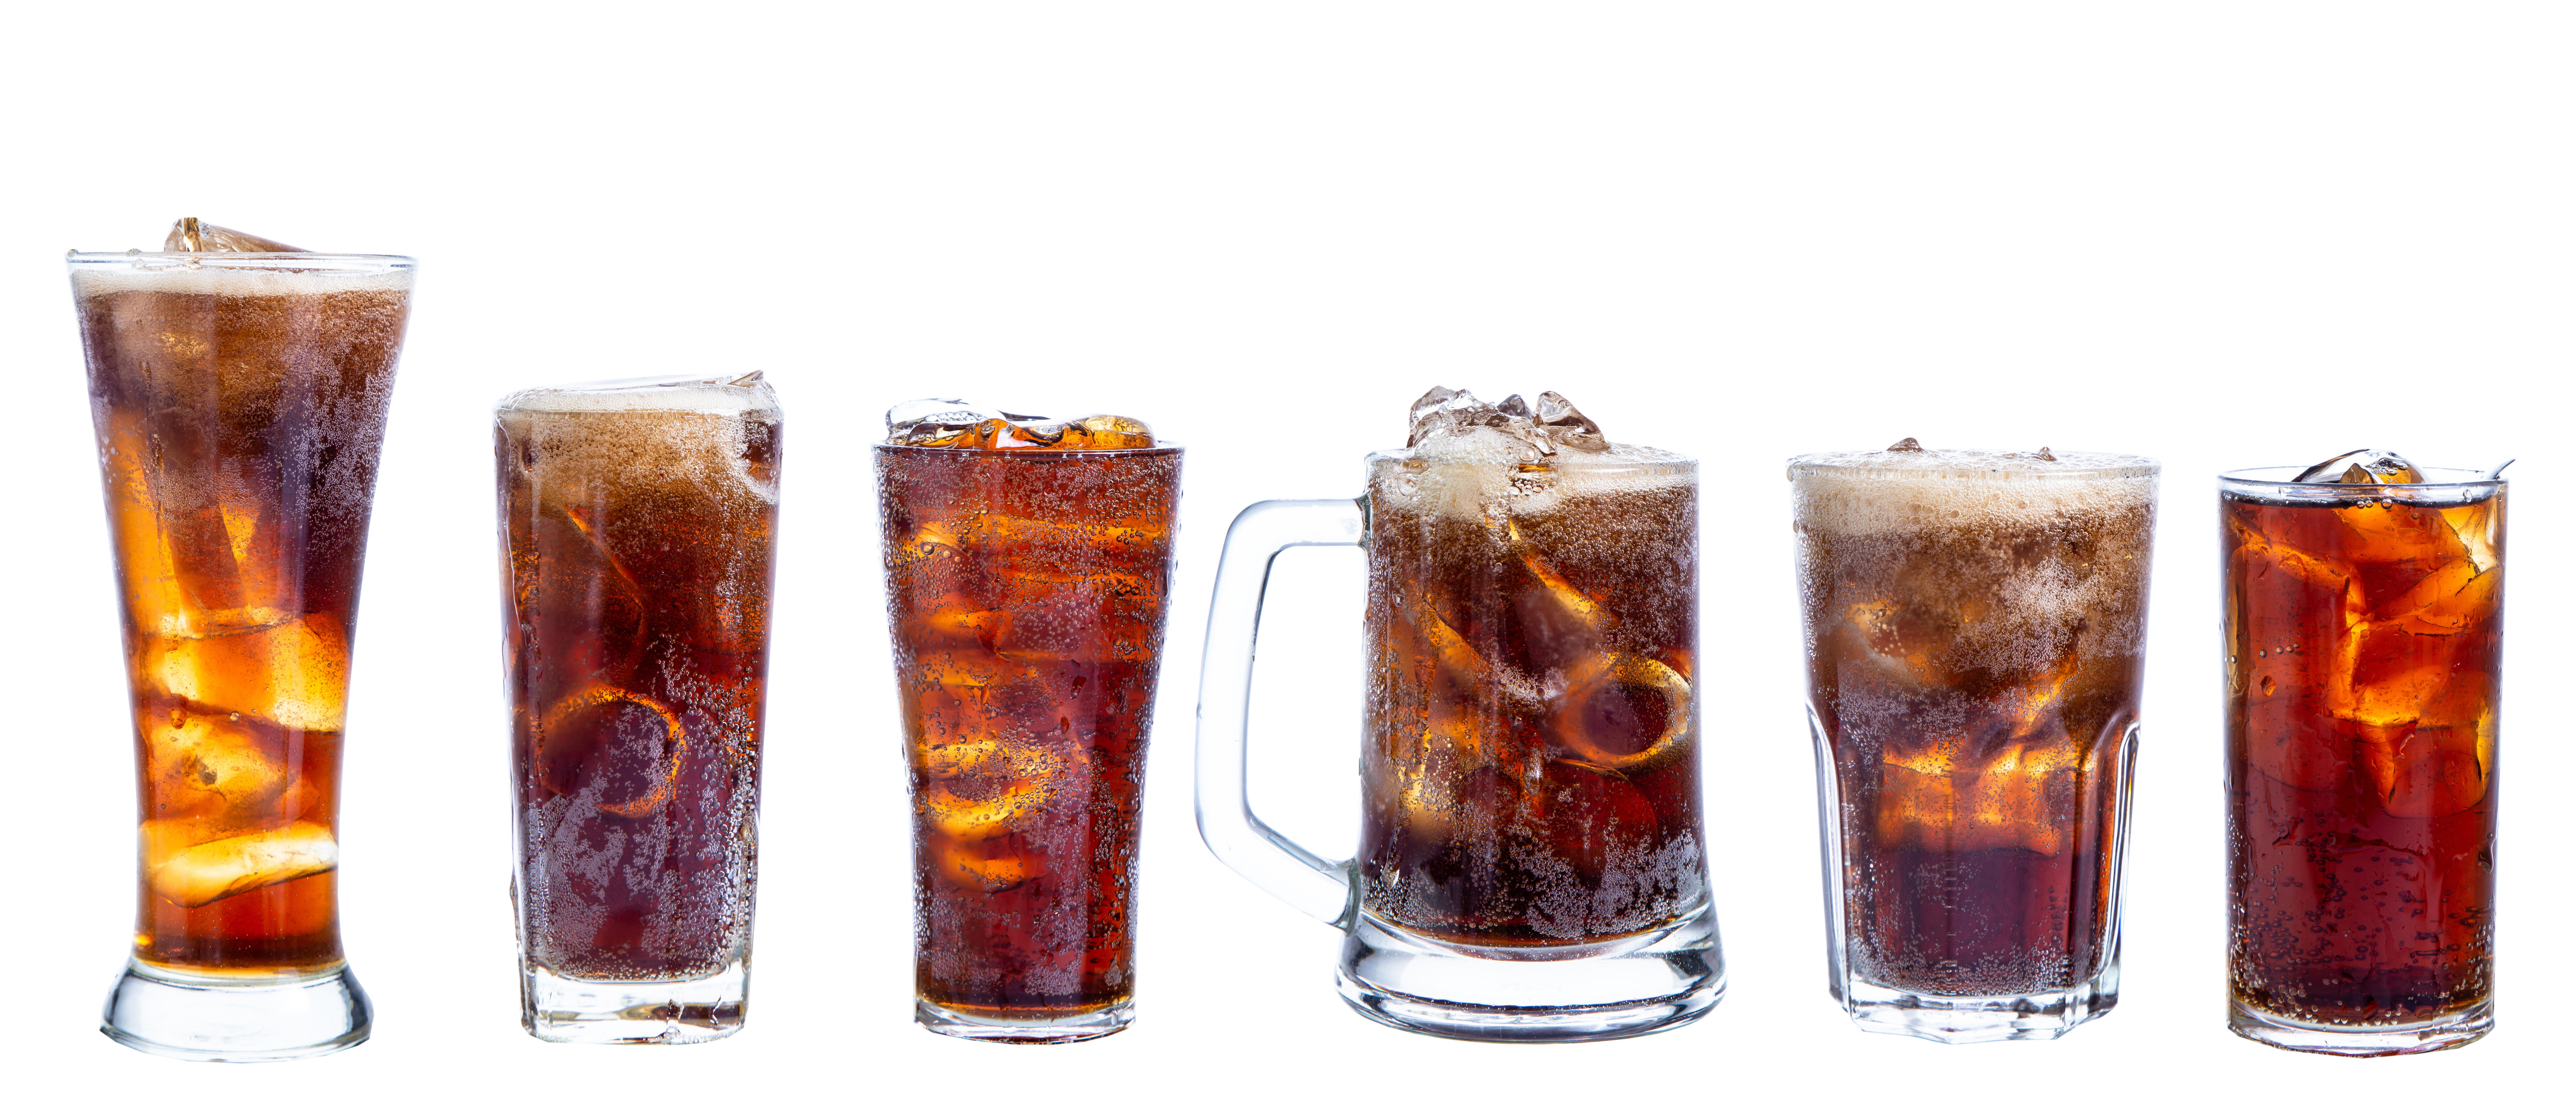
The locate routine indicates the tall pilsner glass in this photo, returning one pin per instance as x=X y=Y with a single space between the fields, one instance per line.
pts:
x=240 y=403
x=1976 y=635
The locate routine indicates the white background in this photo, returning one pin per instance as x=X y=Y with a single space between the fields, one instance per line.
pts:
x=2222 y=234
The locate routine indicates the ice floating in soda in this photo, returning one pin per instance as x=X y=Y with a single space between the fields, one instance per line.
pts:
x=2370 y=466
x=949 y=422
x=1446 y=420
x=198 y=237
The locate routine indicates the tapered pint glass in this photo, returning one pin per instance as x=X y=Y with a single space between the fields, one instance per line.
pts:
x=239 y=399
x=639 y=525
x=1975 y=640
x=2365 y=637
x=1531 y=861
x=1028 y=573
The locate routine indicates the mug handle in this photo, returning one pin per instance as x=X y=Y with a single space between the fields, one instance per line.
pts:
x=1237 y=836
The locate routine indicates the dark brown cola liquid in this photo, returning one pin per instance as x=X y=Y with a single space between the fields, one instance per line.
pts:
x=639 y=529
x=239 y=415
x=1531 y=763
x=1026 y=590
x=1974 y=658
x=2365 y=647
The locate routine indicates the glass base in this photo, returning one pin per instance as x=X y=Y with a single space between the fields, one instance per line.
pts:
x=558 y=1008
x=1029 y=1031
x=2450 y=1031
x=1960 y=1019
x=169 y=1013
x=1568 y=994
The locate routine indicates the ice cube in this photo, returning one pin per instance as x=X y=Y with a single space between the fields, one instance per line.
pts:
x=2428 y=770
x=1447 y=422
x=2387 y=672
x=2392 y=545
x=294 y=673
x=220 y=869
x=992 y=866
x=949 y=422
x=1567 y=425
x=1098 y=432
x=210 y=767
x=2444 y=762
x=1958 y=796
x=1438 y=413
x=615 y=749
x=2366 y=467
x=932 y=419
x=1622 y=712
x=1903 y=636
x=1562 y=624
x=201 y=238
x=2475 y=527
x=954 y=624
x=1105 y=431
x=978 y=788
x=2290 y=739
x=2449 y=600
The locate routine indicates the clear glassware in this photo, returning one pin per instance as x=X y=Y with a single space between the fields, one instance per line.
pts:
x=1027 y=591
x=2365 y=645
x=239 y=400
x=639 y=528
x=1975 y=640
x=1532 y=864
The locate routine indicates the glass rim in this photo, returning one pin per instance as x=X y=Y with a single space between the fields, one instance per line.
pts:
x=1166 y=448
x=2130 y=466
x=1583 y=459
x=2256 y=477
x=221 y=258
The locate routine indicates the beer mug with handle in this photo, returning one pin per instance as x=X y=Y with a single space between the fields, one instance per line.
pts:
x=1531 y=863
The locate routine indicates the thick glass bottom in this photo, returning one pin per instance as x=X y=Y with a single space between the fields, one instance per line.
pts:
x=1572 y=994
x=2449 y=1031
x=1960 y=1019
x=170 y=1013
x=559 y=1008
x=1052 y=1030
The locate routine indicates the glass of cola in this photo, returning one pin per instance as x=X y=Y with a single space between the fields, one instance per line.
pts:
x=639 y=528
x=1028 y=571
x=2365 y=641
x=239 y=388
x=1975 y=640
x=1531 y=864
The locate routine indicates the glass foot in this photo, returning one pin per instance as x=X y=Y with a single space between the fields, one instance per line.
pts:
x=205 y=1018
x=1962 y=1019
x=1024 y=1031
x=559 y=1008
x=2449 y=1031
x=1576 y=994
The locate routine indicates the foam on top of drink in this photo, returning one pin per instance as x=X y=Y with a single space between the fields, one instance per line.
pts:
x=271 y=278
x=690 y=437
x=1908 y=488
x=725 y=394
x=1471 y=459
x=201 y=258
